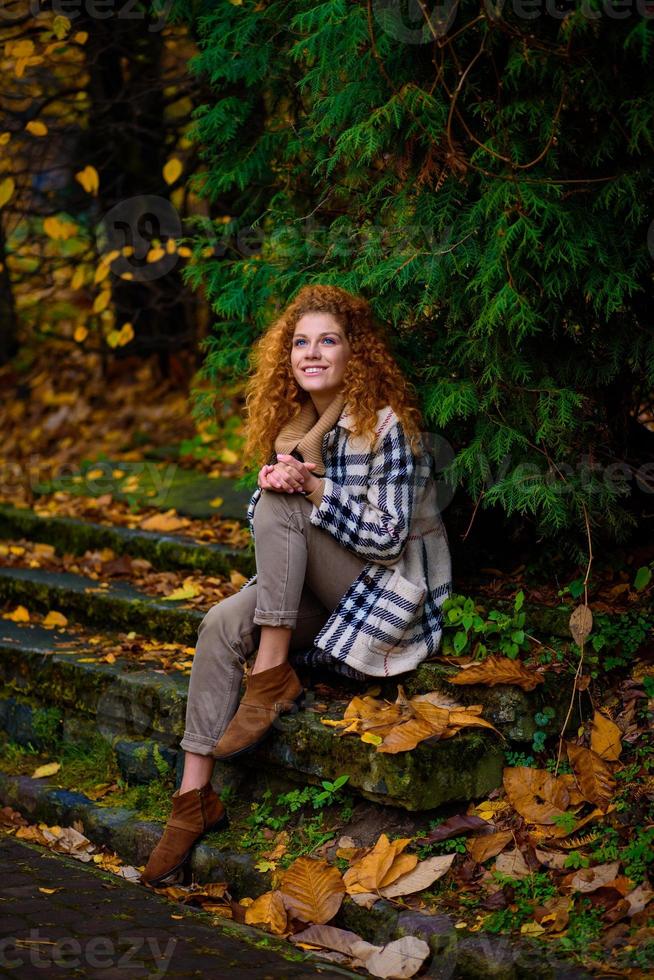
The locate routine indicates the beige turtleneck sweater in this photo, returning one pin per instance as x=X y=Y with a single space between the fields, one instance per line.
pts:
x=305 y=433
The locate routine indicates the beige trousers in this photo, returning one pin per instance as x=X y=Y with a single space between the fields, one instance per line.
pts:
x=302 y=574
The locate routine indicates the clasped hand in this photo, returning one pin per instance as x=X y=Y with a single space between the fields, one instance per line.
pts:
x=287 y=475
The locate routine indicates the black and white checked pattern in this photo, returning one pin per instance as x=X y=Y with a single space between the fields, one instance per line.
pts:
x=382 y=505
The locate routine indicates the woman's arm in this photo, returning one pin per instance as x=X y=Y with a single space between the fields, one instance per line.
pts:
x=377 y=527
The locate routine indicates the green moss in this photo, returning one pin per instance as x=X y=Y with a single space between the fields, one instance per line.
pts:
x=47 y=724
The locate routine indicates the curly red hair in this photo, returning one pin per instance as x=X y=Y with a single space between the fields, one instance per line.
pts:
x=371 y=381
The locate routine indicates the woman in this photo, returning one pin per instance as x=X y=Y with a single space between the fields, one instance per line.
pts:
x=351 y=553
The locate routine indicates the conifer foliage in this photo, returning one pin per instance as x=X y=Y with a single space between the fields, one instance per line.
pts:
x=483 y=174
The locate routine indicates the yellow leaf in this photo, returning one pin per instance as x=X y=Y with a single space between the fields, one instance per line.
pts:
x=80 y=335
x=126 y=334
x=54 y=619
x=7 y=188
x=36 y=127
x=19 y=615
x=81 y=37
x=58 y=229
x=371 y=739
x=228 y=456
x=154 y=255
x=89 y=179
x=79 y=275
x=172 y=170
x=102 y=301
x=4 y=138
x=531 y=929
x=216 y=502
x=184 y=592
x=61 y=25
x=49 y=769
x=19 y=49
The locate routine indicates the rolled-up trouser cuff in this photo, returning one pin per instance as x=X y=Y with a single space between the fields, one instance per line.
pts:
x=199 y=744
x=282 y=617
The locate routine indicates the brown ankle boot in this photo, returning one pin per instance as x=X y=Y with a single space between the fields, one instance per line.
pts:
x=193 y=813
x=268 y=694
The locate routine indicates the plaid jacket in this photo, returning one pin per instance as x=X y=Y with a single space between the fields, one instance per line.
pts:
x=382 y=505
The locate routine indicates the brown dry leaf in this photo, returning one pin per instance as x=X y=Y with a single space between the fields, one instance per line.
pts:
x=581 y=623
x=312 y=890
x=268 y=911
x=402 y=865
x=341 y=940
x=406 y=736
x=168 y=521
x=639 y=898
x=594 y=776
x=570 y=783
x=605 y=738
x=464 y=717
x=537 y=795
x=488 y=846
x=435 y=716
x=590 y=879
x=422 y=876
x=554 y=860
x=437 y=698
x=512 y=863
x=367 y=874
x=499 y=670
x=398 y=959
x=557 y=913
x=365 y=707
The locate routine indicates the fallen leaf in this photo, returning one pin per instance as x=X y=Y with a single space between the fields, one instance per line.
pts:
x=488 y=845
x=581 y=623
x=512 y=863
x=422 y=876
x=49 y=769
x=366 y=874
x=268 y=910
x=399 y=959
x=312 y=890
x=537 y=795
x=499 y=670
x=594 y=776
x=54 y=619
x=590 y=879
x=605 y=738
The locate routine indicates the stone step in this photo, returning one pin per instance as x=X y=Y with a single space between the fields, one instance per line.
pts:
x=83 y=599
x=165 y=551
x=128 y=705
x=159 y=484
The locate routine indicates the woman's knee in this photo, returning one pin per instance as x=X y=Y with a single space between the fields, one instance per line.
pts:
x=276 y=506
x=222 y=634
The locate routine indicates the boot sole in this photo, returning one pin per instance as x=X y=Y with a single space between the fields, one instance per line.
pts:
x=180 y=874
x=298 y=701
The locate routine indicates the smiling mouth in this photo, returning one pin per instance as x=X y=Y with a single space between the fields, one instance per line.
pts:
x=315 y=370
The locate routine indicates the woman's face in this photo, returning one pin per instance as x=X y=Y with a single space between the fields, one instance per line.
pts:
x=319 y=342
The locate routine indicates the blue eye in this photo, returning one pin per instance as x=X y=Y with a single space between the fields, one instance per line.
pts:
x=300 y=340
